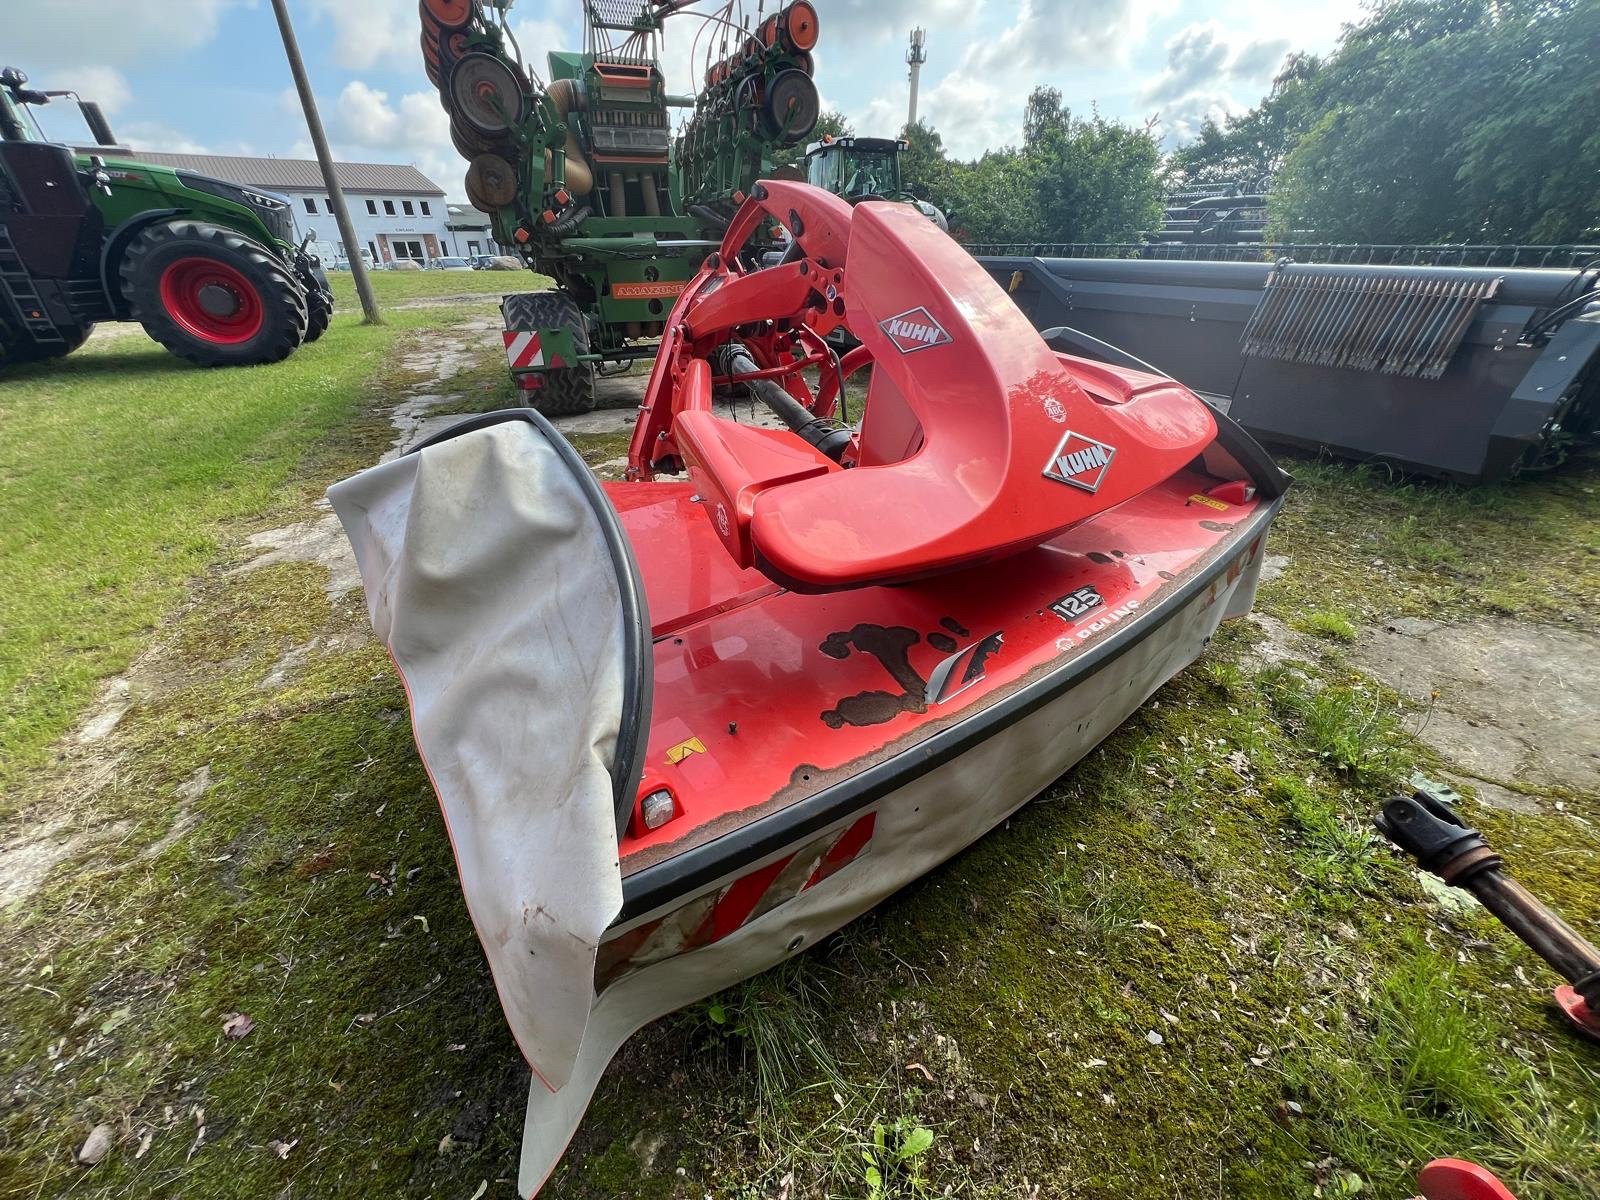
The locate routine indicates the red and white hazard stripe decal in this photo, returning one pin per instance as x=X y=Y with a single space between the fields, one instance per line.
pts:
x=522 y=349
x=713 y=916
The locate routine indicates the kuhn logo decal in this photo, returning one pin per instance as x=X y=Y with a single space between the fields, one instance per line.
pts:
x=1080 y=461
x=914 y=329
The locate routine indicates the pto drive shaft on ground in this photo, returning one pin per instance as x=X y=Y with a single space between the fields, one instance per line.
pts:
x=1431 y=832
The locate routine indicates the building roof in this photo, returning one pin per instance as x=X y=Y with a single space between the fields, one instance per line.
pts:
x=300 y=174
x=464 y=216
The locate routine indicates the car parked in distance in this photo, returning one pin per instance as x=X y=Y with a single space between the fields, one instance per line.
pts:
x=449 y=264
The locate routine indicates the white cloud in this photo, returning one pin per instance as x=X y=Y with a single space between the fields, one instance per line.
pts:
x=1204 y=66
x=151 y=135
x=49 y=33
x=978 y=105
x=104 y=85
x=364 y=125
x=369 y=32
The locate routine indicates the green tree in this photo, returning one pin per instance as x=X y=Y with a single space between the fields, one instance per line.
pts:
x=830 y=124
x=925 y=171
x=1097 y=180
x=1473 y=120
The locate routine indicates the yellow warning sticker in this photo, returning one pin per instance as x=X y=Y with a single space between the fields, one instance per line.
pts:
x=1208 y=501
x=682 y=750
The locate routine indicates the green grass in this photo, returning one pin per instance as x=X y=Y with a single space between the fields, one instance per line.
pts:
x=126 y=472
x=396 y=287
x=1207 y=876
x=1335 y=626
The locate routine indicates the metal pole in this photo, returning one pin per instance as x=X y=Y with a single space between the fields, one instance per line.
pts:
x=319 y=139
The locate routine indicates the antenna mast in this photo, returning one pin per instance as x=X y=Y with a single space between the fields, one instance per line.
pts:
x=916 y=55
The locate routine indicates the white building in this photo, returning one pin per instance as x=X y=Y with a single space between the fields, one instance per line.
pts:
x=469 y=231
x=398 y=212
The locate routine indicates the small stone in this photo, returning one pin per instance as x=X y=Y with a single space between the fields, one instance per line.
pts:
x=1154 y=1038
x=96 y=1146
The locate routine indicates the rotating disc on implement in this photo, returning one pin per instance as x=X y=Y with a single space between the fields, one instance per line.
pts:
x=448 y=14
x=791 y=107
x=491 y=182
x=469 y=143
x=485 y=94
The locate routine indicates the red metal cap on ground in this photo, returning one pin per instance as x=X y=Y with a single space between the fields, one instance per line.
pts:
x=1578 y=1011
x=1458 y=1179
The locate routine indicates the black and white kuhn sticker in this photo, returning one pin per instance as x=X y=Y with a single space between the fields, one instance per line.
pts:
x=915 y=329
x=1080 y=603
x=1080 y=462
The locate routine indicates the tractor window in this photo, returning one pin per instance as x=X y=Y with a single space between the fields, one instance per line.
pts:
x=823 y=170
x=311 y=205
x=406 y=204
x=372 y=207
x=425 y=211
x=388 y=208
x=870 y=173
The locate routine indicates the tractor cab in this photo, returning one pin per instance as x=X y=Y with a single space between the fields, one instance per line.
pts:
x=857 y=168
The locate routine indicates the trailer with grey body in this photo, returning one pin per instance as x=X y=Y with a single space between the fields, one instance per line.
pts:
x=1466 y=373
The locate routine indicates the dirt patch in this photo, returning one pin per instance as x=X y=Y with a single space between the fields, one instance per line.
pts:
x=1508 y=702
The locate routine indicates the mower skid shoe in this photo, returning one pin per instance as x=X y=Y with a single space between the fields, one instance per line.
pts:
x=492 y=577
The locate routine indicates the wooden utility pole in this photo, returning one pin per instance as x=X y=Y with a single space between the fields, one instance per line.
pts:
x=319 y=139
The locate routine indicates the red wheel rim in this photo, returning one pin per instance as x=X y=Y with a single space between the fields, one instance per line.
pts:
x=211 y=300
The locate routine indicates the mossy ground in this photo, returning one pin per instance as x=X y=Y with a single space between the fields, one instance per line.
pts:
x=1187 y=970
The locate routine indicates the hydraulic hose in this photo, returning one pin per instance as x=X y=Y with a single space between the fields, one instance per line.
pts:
x=816 y=431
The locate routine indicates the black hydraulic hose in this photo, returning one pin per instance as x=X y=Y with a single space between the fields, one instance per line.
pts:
x=707 y=217
x=568 y=223
x=817 y=431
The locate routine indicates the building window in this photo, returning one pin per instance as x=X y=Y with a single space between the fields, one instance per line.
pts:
x=425 y=211
x=406 y=204
x=311 y=205
x=388 y=207
x=372 y=207
x=328 y=204
x=373 y=247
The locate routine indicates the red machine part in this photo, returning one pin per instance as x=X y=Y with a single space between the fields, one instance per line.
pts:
x=1577 y=1010
x=1458 y=1179
x=978 y=440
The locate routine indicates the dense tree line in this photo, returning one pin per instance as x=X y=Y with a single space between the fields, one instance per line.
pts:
x=1083 y=179
x=1432 y=121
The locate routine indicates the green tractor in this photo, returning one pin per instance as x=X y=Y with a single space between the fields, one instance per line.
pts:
x=581 y=170
x=863 y=168
x=209 y=268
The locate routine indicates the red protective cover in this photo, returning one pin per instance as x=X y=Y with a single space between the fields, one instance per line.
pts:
x=978 y=440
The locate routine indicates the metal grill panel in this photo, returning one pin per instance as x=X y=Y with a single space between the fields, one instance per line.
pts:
x=616 y=14
x=1397 y=324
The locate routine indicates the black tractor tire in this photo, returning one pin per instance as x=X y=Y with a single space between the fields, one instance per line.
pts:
x=568 y=390
x=173 y=271
x=23 y=349
x=319 y=298
x=319 y=314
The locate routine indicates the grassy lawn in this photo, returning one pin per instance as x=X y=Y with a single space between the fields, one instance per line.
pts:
x=395 y=287
x=257 y=837
x=126 y=472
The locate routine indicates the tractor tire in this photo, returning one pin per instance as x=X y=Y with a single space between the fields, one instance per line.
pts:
x=213 y=296
x=319 y=314
x=569 y=390
x=25 y=350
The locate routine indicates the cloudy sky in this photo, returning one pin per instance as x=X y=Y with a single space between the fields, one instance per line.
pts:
x=209 y=75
